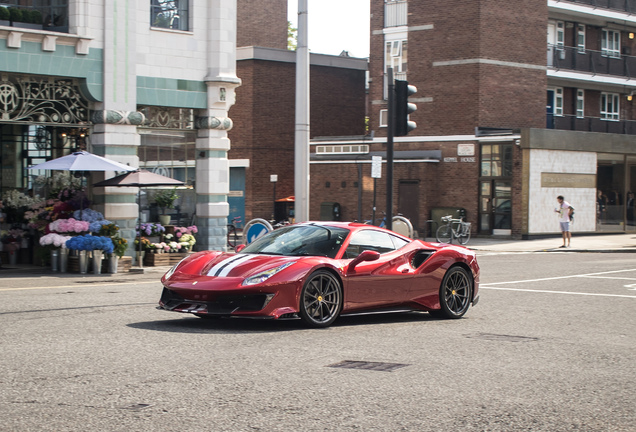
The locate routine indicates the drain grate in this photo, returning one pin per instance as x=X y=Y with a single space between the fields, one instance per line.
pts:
x=503 y=337
x=365 y=365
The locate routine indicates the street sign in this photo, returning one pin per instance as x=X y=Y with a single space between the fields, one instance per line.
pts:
x=376 y=167
x=256 y=231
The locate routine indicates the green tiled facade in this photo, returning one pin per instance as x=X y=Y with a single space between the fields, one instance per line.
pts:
x=171 y=92
x=63 y=62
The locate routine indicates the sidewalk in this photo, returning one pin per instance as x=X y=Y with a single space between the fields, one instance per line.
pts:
x=585 y=243
x=588 y=243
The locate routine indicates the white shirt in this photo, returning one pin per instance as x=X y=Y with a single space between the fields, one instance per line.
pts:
x=564 y=212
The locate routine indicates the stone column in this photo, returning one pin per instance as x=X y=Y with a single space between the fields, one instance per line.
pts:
x=115 y=119
x=212 y=144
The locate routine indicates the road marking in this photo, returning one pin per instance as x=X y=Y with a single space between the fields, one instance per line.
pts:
x=76 y=286
x=561 y=277
x=556 y=292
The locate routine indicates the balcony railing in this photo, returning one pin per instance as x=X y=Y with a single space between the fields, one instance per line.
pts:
x=628 y=6
x=591 y=124
x=395 y=13
x=47 y=15
x=595 y=62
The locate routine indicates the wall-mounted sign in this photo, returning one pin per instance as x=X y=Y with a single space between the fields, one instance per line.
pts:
x=568 y=180
x=465 y=149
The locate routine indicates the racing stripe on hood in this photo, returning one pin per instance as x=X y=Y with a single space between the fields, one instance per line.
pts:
x=224 y=267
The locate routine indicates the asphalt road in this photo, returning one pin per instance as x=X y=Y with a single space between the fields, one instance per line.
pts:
x=550 y=347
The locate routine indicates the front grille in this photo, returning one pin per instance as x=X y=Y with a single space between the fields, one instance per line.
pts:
x=221 y=305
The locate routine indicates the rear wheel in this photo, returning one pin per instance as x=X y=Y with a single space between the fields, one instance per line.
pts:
x=454 y=294
x=444 y=234
x=320 y=299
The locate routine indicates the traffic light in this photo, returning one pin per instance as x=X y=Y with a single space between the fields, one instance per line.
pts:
x=403 y=108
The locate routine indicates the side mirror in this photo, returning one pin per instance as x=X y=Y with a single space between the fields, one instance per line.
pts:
x=366 y=255
x=239 y=248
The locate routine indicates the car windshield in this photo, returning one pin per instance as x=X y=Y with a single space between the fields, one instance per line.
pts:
x=300 y=240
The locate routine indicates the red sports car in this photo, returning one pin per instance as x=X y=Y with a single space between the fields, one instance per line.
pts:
x=320 y=270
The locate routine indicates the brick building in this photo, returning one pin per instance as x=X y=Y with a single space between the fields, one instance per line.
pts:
x=485 y=141
x=264 y=115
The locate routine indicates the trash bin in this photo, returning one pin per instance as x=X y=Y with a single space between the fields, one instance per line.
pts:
x=330 y=211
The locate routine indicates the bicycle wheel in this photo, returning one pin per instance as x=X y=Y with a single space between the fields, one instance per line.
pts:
x=444 y=234
x=464 y=237
x=232 y=237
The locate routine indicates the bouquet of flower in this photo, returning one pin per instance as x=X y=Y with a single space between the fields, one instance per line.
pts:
x=41 y=214
x=145 y=244
x=69 y=226
x=96 y=227
x=161 y=247
x=15 y=199
x=151 y=229
x=120 y=246
x=109 y=230
x=187 y=241
x=174 y=246
x=180 y=231
x=89 y=242
x=88 y=215
x=55 y=240
x=59 y=183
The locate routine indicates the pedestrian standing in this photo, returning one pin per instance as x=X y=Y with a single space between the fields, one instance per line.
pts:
x=566 y=216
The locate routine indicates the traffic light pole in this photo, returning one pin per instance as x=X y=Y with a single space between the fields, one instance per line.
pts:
x=389 y=150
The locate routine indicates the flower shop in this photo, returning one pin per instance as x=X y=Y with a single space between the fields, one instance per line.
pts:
x=62 y=231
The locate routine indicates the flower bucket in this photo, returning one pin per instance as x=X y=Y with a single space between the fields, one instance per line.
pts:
x=140 y=258
x=63 y=260
x=83 y=262
x=113 y=260
x=13 y=258
x=97 y=261
x=55 y=253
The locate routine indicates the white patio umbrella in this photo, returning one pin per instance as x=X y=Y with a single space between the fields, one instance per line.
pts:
x=82 y=161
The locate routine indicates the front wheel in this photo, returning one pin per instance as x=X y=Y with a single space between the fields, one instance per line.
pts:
x=444 y=234
x=464 y=237
x=454 y=294
x=320 y=299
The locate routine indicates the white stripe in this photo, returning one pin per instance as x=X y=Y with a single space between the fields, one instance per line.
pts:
x=235 y=263
x=559 y=277
x=218 y=267
x=557 y=292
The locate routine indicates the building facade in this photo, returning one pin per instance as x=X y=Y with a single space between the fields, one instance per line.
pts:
x=503 y=128
x=145 y=82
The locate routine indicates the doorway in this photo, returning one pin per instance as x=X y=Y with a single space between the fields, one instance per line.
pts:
x=409 y=201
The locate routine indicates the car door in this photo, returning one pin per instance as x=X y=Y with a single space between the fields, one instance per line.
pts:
x=383 y=282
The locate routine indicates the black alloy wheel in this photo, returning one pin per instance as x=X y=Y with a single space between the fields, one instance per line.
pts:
x=455 y=294
x=320 y=299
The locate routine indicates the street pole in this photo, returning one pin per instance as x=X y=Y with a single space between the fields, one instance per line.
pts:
x=301 y=146
x=389 y=150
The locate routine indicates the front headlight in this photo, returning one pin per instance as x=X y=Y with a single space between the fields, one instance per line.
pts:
x=173 y=269
x=263 y=276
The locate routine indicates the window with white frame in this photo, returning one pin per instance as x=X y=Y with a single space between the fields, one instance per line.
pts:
x=580 y=38
x=611 y=43
x=395 y=55
x=171 y=14
x=609 y=106
x=558 y=101
x=580 y=104
x=560 y=34
x=384 y=118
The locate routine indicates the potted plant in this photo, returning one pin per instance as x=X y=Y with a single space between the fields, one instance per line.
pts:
x=165 y=200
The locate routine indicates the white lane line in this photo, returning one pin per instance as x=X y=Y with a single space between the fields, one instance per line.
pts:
x=92 y=285
x=608 y=277
x=556 y=292
x=560 y=277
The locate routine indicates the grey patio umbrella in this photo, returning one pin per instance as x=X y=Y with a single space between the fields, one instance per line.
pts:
x=82 y=161
x=139 y=178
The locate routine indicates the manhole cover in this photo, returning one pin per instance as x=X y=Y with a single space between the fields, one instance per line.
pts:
x=503 y=337
x=374 y=366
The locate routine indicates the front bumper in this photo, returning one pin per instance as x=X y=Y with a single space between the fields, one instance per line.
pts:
x=219 y=305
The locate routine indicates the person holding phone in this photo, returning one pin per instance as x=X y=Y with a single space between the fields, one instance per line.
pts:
x=566 y=216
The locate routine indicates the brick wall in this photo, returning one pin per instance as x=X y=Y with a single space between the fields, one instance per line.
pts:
x=264 y=121
x=262 y=23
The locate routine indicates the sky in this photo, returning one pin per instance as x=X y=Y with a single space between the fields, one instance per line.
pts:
x=335 y=26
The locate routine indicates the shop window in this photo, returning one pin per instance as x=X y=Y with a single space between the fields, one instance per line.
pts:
x=170 y=14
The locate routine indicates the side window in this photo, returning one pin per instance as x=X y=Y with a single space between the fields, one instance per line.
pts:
x=369 y=240
x=171 y=14
x=398 y=243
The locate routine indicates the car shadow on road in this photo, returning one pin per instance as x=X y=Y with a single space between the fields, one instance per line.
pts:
x=192 y=324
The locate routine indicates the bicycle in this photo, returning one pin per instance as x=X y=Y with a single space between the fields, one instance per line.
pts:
x=232 y=232
x=454 y=228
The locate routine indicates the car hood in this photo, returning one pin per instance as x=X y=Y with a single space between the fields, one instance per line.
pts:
x=242 y=265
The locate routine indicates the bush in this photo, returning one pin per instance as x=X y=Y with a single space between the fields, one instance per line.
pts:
x=36 y=16
x=4 y=14
x=16 y=14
